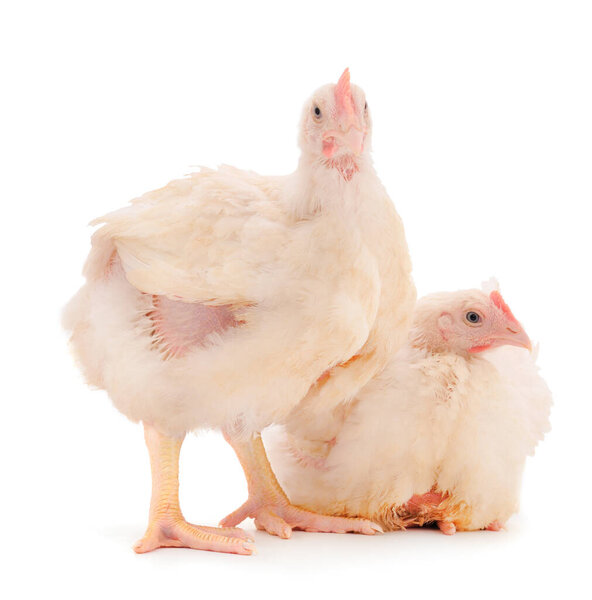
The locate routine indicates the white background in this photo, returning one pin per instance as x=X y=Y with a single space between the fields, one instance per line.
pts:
x=483 y=137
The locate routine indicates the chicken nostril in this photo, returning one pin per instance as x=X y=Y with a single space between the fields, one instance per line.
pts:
x=511 y=330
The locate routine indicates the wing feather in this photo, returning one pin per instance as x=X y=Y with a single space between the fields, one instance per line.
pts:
x=207 y=238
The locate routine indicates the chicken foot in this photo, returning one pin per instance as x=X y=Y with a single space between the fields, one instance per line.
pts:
x=269 y=505
x=167 y=526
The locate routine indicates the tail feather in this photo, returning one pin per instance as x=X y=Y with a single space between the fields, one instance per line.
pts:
x=100 y=257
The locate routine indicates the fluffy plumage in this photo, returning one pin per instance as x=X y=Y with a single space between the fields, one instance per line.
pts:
x=226 y=298
x=441 y=434
x=309 y=292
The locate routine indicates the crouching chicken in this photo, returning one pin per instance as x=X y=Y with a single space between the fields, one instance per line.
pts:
x=440 y=436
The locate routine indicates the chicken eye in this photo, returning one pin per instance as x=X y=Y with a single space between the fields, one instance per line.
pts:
x=473 y=317
x=317 y=112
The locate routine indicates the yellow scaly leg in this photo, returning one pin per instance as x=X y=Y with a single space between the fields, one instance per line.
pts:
x=166 y=526
x=269 y=505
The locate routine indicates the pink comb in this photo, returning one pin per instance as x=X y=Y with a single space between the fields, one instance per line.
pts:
x=497 y=299
x=343 y=97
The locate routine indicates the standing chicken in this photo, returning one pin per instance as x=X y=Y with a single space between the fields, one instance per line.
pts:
x=225 y=299
x=441 y=435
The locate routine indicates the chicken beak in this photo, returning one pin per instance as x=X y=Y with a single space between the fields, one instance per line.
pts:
x=515 y=337
x=353 y=138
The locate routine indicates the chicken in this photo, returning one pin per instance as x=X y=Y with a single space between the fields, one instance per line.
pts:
x=440 y=435
x=226 y=299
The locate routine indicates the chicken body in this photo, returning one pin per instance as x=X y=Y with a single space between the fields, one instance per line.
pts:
x=219 y=300
x=440 y=435
x=288 y=298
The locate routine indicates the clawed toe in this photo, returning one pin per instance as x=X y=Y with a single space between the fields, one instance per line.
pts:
x=270 y=507
x=178 y=533
x=309 y=521
x=230 y=532
x=495 y=526
x=447 y=527
x=280 y=519
x=267 y=520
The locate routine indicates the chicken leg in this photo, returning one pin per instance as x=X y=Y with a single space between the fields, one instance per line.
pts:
x=166 y=526
x=269 y=505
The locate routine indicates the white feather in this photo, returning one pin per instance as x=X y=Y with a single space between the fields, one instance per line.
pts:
x=316 y=269
x=458 y=423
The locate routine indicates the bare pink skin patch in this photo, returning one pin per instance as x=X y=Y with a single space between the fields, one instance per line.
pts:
x=180 y=326
x=424 y=502
x=432 y=507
